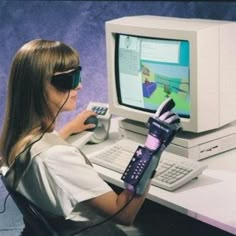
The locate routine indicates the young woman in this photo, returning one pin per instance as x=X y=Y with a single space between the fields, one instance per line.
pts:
x=44 y=81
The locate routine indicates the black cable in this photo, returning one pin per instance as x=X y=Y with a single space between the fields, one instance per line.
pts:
x=5 y=203
x=30 y=145
x=105 y=220
x=50 y=125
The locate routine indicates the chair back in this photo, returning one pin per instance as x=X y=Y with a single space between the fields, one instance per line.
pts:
x=35 y=220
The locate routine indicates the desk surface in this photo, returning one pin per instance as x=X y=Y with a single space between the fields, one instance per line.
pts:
x=210 y=198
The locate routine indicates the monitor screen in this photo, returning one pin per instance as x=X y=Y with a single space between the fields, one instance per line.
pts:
x=148 y=70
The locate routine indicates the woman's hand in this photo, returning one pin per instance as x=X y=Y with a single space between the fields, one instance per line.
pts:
x=77 y=125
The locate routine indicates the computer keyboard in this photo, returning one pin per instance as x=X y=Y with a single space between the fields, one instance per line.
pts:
x=172 y=172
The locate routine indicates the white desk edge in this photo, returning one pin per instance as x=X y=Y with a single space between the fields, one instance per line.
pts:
x=211 y=198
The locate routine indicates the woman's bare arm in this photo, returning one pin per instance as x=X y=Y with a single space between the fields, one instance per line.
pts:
x=110 y=203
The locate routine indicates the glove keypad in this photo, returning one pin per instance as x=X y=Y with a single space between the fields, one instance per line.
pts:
x=137 y=166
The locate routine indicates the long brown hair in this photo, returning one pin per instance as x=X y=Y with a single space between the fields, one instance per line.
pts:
x=27 y=109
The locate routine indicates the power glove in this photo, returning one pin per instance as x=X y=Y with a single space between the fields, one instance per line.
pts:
x=142 y=166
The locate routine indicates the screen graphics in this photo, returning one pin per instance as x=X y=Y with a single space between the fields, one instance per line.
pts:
x=148 y=70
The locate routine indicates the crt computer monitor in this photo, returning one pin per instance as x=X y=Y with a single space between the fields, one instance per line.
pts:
x=150 y=58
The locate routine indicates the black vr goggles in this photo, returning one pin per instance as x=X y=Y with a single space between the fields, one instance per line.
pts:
x=67 y=81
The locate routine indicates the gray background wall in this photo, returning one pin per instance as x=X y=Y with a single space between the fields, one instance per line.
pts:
x=81 y=24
